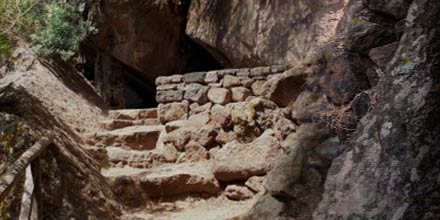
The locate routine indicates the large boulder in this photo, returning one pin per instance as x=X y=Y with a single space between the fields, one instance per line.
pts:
x=345 y=77
x=282 y=31
x=396 y=8
x=236 y=161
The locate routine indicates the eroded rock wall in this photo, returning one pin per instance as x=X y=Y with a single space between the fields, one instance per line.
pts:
x=390 y=170
x=253 y=33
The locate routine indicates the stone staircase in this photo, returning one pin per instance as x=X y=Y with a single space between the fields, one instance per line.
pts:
x=219 y=144
x=146 y=175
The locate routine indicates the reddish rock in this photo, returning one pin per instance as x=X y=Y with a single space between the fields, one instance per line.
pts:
x=236 y=192
x=133 y=114
x=240 y=94
x=137 y=137
x=172 y=112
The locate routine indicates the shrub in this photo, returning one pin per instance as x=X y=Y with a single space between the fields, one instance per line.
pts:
x=52 y=27
x=64 y=31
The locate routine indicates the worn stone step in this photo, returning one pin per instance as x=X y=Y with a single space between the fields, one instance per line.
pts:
x=133 y=114
x=138 y=159
x=134 y=137
x=113 y=124
x=166 y=180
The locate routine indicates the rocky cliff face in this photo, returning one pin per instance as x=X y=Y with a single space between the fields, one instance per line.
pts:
x=390 y=169
x=253 y=33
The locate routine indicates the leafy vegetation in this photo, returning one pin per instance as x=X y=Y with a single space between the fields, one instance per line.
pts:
x=54 y=28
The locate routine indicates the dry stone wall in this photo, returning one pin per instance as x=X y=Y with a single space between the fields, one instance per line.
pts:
x=217 y=87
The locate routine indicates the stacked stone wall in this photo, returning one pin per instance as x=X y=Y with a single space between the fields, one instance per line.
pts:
x=217 y=87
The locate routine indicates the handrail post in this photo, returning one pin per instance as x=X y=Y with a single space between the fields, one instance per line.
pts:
x=37 y=201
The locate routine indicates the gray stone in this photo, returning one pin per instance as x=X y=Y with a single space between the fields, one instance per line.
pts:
x=197 y=77
x=219 y=95
x=231 y=81
x=168 y=79
x=211 y=77
x=169 y=96
x=196 y=93
x=243 y=72
x=260 y=71
x=173 y=111
x=382 y=55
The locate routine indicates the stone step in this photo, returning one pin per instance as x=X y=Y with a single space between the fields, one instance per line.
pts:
x=133 y=114
x=134 y=137
x=113 y=124
x=135 y=158
x=166 y=180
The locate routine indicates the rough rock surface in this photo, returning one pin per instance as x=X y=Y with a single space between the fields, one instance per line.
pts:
x=390 y=169
x=218 y=26
x=236 y=161
x=178 y=179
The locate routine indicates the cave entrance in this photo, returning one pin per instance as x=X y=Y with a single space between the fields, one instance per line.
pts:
x=122 y=86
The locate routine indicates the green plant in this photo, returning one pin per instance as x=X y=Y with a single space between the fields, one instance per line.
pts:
x=63 y=32
x=52 y=27
x=5 y=49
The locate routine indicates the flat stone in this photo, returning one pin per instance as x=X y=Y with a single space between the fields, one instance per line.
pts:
x=197 y=77
x=225 y=72
x=240 y=94
x=196 y=108
x=133 y=158
x=173 y=111
x=169 y=96
x=235 y=161
x=135 y=137
x=260 y=71
x=231 y=81
x=219 y=95
x=236 y=192
x=133 y=114
x=196 y=93
x=179 y=178
x=277 y=69
x=179 y=86
x=243 y=72
x=168 y=80
x=114 y=124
